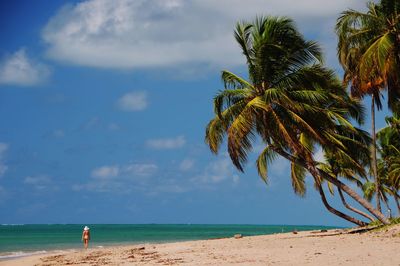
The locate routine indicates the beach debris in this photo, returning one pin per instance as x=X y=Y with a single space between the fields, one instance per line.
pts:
x=238 y=236
x=324 y=230
x=362 y=229
x=295 y=232
x=169 y=261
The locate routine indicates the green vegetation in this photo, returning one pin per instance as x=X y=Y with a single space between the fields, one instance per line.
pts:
x=368 y=50
x=389 y=163
x=383 y=227
x=295 y=105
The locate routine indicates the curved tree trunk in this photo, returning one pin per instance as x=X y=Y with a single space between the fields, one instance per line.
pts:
x=352 y=208
x=373 y=155
x=356 y=197
x=318 y=174
x=336 y=212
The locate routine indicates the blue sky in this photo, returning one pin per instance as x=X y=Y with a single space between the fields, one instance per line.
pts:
x=104 y=104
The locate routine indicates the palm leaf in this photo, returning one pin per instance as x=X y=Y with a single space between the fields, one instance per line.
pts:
x=298 y=175
x=233 y=81
x=376 y=55
x=266 y=157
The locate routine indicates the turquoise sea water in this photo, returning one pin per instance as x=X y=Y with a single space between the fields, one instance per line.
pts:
x=20 y=240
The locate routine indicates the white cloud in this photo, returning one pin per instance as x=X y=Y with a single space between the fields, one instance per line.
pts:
x=160 y=33
x=119 y=178
x=319 y=156
x=3 y=150
x=34 y=180
x=278 y=167
x=167 y=143
x=40 y=182
x=129 y=170
x=133 y=101
x=218 y=171
x=18 y=69
x=105 y=172
x=142 y=170
x=186 y=165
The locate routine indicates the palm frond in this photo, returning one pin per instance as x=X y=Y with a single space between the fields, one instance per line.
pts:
x=369 y=190
x=377 y=55
x=243 y=37
x=298 y=175
x=226 y=98
x=233 y=81
x=266 y=157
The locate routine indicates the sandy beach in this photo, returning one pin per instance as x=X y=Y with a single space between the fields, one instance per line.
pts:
x=334 y=247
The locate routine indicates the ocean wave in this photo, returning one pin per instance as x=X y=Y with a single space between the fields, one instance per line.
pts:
x=19 y=254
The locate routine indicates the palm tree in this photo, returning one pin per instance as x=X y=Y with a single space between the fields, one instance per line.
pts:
x=369 y=189
x=354 y=171
x=290 y=101
x=394 y=177
x=389 y=163
x=369 y=51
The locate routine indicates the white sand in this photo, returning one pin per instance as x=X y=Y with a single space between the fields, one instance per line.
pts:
x=334 y=247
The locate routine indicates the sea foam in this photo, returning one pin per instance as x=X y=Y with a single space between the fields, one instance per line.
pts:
x=19 y=254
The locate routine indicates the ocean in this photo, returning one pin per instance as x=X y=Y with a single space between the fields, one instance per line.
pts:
x=27 y=239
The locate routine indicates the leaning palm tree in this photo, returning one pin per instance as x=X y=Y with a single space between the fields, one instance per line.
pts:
x=369 y=51
x=354 y=171
x=290 y=101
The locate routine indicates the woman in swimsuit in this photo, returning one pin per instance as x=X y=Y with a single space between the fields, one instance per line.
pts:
x=86 y=237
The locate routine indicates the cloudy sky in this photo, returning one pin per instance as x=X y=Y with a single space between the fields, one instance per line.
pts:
x=103 y=106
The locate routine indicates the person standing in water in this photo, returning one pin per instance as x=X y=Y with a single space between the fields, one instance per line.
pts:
x=86 y=237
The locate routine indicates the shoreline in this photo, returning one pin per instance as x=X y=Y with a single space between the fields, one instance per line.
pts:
x=14 y=255
x=189 y=233
x=333 y=247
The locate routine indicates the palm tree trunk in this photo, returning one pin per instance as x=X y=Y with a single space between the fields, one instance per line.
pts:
x=385 y=200
x=336 y=212
x=373 y=155
x=356 y=197
x=318 y=174
x=352 y=208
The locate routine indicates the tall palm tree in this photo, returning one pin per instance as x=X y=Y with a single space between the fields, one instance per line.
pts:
x=290 y=101
x=369 y=51
x=389 y=163
x=394 y=177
